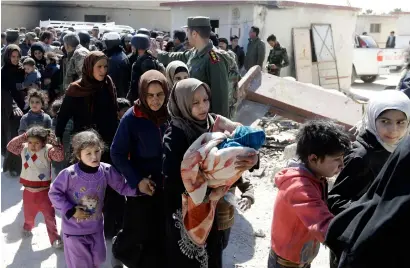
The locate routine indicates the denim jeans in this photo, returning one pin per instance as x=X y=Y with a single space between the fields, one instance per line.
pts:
x=273 y=263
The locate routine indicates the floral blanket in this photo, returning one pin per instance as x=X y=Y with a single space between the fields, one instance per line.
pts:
x=208 y=173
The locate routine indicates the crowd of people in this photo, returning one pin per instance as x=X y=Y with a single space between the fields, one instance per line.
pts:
x=146 y=153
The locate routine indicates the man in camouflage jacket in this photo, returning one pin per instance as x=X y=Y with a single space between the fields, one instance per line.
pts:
x=76 y=54
x=278 y=57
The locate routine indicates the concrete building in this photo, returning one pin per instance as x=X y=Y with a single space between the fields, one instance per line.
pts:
x=148 y=14
x=279 y=18
x=380 y=26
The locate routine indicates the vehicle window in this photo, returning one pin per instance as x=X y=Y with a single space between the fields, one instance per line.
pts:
x=370 y=43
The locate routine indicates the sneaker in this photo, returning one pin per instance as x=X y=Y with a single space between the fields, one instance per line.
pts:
x=27 y=233
x=57 y=244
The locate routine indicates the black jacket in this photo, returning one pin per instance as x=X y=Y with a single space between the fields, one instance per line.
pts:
x=362 y=165
x=102 y=118
x=119 y=69
x=175 y=146
x=374 y=231
x=240 y=55
x=143 y=64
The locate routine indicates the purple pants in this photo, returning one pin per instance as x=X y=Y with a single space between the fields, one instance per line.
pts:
x=84 y=251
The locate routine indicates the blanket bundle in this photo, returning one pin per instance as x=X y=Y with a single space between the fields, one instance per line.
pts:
x=208 y=171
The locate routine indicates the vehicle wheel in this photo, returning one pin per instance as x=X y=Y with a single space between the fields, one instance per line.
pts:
x=369 y=78
x=354 y=75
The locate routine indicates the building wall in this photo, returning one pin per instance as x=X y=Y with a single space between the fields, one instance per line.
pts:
x=388 y=24
x=403 y=23
x=230 y=20
x=139 y=14
x=19 y=16
x=281 y=21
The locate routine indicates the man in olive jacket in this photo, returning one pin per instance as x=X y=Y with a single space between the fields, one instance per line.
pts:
x=255 y=55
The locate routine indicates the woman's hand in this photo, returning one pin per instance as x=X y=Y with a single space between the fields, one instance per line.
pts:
x=147 y=186
x=80 y=213
x=17 y=112
x=246 y=162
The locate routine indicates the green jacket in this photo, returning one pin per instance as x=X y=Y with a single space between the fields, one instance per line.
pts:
x=278 y=56
x=255 y=55
x=209 y=66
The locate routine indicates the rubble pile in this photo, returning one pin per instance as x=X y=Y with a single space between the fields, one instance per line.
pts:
x=280 y=135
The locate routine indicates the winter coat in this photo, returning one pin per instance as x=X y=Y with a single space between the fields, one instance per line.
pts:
x=362 y=165
x=136 y=150
x=119 y=70
x=143 y=64
x=34 y=119
x=240 y=55
x=103 y=117
x=300 y=215
x=74 y=187
x=74 y=65
x=175 y=146
x=255 y=54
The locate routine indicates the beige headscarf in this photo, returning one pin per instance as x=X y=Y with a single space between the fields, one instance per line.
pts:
x=171 y=68
x=180 y=108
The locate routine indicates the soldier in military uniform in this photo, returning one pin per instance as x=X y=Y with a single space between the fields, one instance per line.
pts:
x=205 y=62
x=278 y=57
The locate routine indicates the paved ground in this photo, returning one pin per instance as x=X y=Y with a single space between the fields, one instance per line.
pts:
x=380 y=84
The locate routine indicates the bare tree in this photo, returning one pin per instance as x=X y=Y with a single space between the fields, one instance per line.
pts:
x=369 y=11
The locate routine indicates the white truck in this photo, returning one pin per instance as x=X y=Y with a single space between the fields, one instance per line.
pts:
x=370 y=61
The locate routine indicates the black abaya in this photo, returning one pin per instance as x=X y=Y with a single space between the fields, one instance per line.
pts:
x=373 y=231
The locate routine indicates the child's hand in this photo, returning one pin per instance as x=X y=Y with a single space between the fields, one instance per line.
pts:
x=47 y=81
x=80 y=213
x=245 y=203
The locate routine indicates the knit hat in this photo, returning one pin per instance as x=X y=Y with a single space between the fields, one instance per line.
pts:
x=140 y=41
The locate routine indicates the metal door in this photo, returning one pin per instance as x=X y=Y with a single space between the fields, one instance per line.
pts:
x=326 y=56
x=303 y=54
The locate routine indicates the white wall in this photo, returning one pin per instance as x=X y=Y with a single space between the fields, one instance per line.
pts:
x=281 y=21
x=403 y=24
x=388 y=24
x=223 y=13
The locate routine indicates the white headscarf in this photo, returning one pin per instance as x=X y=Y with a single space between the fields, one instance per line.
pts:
x=383 y=101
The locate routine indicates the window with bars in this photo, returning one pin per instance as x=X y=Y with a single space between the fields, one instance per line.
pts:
x=375 y=27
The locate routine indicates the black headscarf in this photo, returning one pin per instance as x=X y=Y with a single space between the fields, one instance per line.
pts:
x=374 y=231
x=38 y=46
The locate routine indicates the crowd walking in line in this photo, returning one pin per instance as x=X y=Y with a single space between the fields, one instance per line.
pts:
x=140 y=131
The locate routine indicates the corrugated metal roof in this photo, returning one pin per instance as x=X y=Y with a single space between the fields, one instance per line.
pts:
x=336 y=4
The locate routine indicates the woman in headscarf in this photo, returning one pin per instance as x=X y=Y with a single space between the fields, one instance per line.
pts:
x=374 y=231
x=385 y=124
x=91 y=102
x=38 y=54
x=137 y=153
x=176 y=71
x=12 y=104
x=188 y=108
